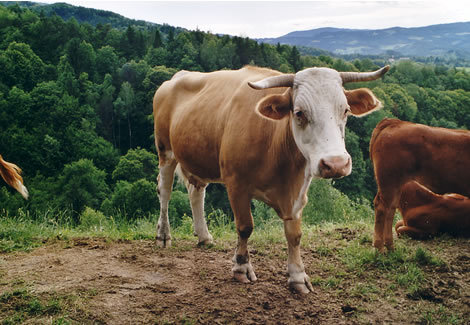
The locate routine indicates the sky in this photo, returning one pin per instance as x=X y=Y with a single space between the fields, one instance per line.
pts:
x=266 y=19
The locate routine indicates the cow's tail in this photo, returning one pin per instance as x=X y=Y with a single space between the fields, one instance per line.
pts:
x=386 y=122
x=11 y=174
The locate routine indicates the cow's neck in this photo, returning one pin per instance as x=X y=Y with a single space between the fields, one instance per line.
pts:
x=291 y=167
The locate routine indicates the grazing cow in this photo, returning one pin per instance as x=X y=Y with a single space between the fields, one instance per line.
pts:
x=263 y=134
x=11 y=174
x=426 y=213
x=401 y=151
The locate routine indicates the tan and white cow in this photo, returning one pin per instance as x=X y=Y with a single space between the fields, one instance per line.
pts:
x=263 y=134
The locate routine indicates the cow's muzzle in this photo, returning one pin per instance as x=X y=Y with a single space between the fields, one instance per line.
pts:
x=335 y=166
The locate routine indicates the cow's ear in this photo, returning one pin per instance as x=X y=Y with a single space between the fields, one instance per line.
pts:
x=275 y=107
x=362 y=101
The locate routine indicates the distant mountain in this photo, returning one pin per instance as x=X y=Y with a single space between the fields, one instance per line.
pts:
x=434 y=40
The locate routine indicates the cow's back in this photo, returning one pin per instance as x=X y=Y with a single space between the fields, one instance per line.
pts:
x=437 y=158
x=197 y=114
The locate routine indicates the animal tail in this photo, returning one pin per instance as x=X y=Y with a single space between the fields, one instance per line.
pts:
x=11 y=174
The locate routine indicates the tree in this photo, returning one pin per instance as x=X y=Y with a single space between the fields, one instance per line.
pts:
x=20 y=66
x=157 y=39
x=136 y=164
x=294 y=59
x=124 y=106
x=81 y=184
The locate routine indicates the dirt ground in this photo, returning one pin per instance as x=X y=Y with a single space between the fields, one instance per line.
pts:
x=134 y=282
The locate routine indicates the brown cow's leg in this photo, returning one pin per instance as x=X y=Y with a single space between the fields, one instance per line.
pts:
x=240 y=201
x=298 y=279
x=388 y=230
x=399 y=224
x=165 y=184
x=383 y=218
x=412 y=232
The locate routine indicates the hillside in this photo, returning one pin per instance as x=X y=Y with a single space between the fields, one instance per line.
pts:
x=435 y=40
x=84 y=15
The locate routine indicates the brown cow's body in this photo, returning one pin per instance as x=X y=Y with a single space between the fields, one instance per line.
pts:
x=257 y=140
x=11 y=175
x=437 y=158
x=426 y=213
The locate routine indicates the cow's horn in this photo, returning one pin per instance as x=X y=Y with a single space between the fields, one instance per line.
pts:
x=363 y=76
x=285 y=80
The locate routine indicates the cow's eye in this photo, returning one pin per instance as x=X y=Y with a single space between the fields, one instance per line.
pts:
x=347 y=111
x=299 y=114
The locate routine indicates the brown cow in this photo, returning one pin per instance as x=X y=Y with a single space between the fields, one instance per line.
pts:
x=401 y=151
x=426 y=213
x=11 y=174
x=263 y=134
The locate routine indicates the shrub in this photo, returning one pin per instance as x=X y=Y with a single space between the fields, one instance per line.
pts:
x=178 y=207
x=136 y=164
x=92 y=219
x=134 y=200
x=81 y=184
x=327 y=204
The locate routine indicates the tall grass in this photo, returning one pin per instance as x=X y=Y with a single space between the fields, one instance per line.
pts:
x=24 y=231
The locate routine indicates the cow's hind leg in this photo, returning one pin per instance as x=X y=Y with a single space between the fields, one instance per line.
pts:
x=240 y=201
x=298 y=279
x=412 y=232
x=196 y=196
x=165 y=185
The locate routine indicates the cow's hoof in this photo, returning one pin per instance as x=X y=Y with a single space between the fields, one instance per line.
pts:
x=379 y=246
x=164 y=241
x=303 y=286
x=209 y=241
x=390 y=246
x=244 y=273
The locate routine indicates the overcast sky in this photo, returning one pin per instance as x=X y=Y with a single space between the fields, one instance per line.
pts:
x=258 y=19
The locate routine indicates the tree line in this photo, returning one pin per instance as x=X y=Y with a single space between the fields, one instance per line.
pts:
x=76 y=107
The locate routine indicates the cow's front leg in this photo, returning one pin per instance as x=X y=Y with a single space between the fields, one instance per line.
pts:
x=242 y=269
x=239 y=200
x=298 y=279
x=384 y=214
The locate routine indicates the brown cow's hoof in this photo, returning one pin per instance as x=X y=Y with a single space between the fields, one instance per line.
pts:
x=390 y=247
x=379 y=246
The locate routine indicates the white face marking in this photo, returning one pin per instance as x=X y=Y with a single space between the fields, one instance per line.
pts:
x=320 y=112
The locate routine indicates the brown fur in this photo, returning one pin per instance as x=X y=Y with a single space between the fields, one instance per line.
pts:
x=11 y=175
x=401 y=151
x=426 y=213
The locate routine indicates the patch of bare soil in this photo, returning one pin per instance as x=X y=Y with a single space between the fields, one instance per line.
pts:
x=133 y=282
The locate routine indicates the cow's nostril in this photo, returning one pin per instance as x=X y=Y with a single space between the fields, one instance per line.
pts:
x=324 y=165
x=335 y=166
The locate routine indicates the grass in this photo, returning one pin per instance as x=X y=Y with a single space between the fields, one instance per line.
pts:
x=337 y=234
x=20 y=304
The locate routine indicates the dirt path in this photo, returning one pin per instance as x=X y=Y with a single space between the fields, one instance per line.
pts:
x=133 y=282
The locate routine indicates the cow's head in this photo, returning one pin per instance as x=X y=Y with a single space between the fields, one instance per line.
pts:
x=318 y=107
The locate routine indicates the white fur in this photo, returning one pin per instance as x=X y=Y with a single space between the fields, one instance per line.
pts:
x=319 y=94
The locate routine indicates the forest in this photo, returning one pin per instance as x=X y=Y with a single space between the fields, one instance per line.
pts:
x=76 y=109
